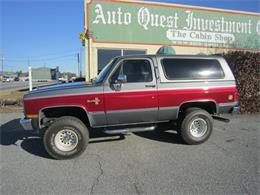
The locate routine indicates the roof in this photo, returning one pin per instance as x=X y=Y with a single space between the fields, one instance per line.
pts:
x=174 y=56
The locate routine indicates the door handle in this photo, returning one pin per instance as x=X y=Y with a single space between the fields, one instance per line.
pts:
x=152 y=86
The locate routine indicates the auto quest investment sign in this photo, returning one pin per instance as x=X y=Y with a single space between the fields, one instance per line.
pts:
x=144 y=23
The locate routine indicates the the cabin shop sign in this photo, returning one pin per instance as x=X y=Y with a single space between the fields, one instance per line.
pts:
x=157 y=24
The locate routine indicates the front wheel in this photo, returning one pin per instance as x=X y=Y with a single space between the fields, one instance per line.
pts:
x=196 y=127
x=66 y=138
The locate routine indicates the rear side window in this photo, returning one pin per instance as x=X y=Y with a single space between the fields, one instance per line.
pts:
x=189 y=69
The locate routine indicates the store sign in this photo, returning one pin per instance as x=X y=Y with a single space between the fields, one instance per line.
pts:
x=143 y=23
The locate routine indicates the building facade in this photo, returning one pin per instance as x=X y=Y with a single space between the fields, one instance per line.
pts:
x=45 y=74
x=123 y=27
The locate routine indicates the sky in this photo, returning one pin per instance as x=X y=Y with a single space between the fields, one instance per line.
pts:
x=47 y=31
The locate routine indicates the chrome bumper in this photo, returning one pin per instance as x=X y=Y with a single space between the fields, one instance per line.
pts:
x=236 y=110
x=26 y=124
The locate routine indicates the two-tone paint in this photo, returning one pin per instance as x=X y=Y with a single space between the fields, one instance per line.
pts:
x=155 y=101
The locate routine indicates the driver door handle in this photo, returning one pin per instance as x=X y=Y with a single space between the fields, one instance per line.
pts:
x=152 y=86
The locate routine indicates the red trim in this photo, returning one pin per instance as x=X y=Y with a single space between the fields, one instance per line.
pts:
x=169 y=98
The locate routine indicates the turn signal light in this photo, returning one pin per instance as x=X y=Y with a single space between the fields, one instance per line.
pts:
x=31 y=116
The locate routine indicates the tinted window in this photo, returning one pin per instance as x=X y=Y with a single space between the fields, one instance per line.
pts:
x=186 y=69
x=135 y=71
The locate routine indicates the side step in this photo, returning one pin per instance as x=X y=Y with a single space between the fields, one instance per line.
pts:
x=219 y=118
x=126 y=130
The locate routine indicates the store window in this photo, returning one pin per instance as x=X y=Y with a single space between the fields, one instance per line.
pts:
x=105 y=55
x=133 y=52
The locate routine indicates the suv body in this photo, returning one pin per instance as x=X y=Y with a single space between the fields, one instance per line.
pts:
x=138 y=90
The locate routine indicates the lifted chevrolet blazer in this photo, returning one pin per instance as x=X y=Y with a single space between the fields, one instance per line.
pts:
x=134 y=93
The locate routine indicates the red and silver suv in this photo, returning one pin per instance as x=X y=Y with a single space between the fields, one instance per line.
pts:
x=134 y=93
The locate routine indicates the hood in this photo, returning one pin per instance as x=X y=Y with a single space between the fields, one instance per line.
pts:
x=59 y=89
x=60 y=86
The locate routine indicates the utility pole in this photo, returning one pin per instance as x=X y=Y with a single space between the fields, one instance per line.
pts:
x=80 y=63
x=30 y=74
x=2 y=64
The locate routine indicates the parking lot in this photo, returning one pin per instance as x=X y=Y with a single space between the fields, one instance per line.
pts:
x=7 y=86
x=141 y=163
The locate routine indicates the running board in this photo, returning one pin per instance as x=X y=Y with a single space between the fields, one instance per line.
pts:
x=127 y=130
x=219 y=118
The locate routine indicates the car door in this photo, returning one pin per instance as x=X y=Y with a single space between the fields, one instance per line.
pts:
x=134 y=101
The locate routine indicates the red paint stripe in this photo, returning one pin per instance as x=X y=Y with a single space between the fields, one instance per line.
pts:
x=177 y=97
x=133 y=99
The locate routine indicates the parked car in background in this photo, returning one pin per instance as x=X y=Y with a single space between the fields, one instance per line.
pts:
x=24 y=79
x=62 y=80
x=79 y=79
x=8 y=79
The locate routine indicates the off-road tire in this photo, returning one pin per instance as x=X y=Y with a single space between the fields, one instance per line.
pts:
x=190 y=117
x=72 y=124
x=35 y=124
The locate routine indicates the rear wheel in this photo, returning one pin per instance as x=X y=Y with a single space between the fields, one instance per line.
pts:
x=66 y=138
x=196 y=126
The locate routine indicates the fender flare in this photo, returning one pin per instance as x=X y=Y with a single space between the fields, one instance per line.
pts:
x=197 y=101
x=40 y=113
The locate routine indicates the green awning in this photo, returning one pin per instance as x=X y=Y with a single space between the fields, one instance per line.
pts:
x=166 y=50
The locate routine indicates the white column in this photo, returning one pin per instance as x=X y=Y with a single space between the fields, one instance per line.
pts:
x=30 y=77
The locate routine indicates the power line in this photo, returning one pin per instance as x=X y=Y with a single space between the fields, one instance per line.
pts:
x=40 y=59
x=47 y=55
x=12 y=66
x=68 y=56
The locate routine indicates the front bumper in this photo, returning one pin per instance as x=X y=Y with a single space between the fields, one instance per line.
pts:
x=26 y=124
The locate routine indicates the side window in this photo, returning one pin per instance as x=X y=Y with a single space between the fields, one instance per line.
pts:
x=188 y=69
x=135 y=70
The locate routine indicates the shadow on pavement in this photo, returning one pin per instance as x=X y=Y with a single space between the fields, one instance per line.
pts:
x=12 y=132
x=163 y=133
x=98 y=136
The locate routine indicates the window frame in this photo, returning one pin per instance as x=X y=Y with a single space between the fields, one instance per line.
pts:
x=119 y=63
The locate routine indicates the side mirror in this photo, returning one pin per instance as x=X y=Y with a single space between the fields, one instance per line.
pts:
x=121 y=78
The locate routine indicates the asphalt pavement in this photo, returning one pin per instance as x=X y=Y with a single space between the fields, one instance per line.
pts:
x=142 y=163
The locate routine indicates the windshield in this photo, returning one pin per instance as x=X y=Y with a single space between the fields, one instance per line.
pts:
x=102 y=75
